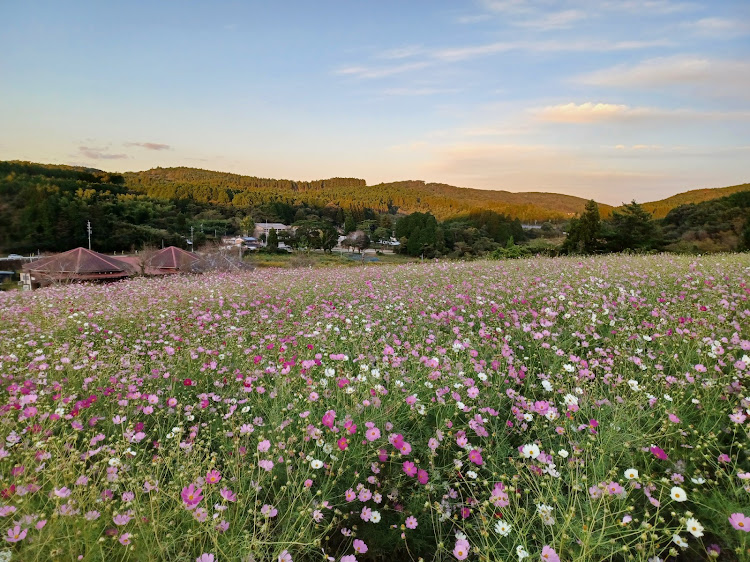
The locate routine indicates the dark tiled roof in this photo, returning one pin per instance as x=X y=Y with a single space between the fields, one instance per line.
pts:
x=172 y=258
x=80 y=261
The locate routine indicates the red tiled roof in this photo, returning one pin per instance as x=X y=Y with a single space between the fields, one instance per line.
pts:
x=172 y=258
x=80 y=262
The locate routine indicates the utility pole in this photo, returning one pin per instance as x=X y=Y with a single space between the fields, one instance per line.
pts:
x=88 y=229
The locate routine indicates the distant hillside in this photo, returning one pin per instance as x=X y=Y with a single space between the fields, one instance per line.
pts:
x=661 y=208
x=444 y=201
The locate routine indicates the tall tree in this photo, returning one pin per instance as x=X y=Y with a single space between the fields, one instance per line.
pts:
x=633 y=228
x=585 y=231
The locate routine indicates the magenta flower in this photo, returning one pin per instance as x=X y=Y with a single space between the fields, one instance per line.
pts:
x=342 y=443
x=476 y=457
x=549 y=554
x=422 y=476
x=228 y=495
x=213 y=476
x=328 y=419
x=409 y=468
x=659 y=453
x=16 y=534
x=738 y=520
x=191 y=496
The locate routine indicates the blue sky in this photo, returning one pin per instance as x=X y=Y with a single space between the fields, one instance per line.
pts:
x=610 y=99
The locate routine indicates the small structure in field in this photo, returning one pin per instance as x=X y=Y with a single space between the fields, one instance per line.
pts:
x=171 y=260
x=79 y=264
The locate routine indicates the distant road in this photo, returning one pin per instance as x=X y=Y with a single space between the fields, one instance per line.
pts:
x=22 y=258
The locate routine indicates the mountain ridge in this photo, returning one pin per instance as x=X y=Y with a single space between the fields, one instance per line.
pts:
x=406 y=196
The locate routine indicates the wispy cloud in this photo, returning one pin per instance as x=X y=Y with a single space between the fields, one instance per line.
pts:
x=149 y=145
x=718 y=76
x=648 y=6
x=462 y=53
x=717 y=27
x=382 y=71
x=100 y=153
x=590 y=112
x=435 y=56
x=554 y=20
x=419 y=91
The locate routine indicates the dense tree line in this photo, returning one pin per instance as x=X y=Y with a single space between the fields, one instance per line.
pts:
x=711 y=226
x=46 y=208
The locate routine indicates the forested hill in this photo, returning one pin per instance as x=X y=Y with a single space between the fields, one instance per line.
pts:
x=660 y=209
x=443 y=201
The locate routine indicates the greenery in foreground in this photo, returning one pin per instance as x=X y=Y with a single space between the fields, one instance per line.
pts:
x=580 y=408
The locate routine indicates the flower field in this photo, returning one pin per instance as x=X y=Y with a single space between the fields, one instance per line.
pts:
x=550 y=409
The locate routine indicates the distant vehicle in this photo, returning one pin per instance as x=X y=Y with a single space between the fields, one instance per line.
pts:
x=14 y=257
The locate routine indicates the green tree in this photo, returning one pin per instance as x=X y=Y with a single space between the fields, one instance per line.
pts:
x=632 y=228
x=585 y=231
x=248 y=225
x=350 y=225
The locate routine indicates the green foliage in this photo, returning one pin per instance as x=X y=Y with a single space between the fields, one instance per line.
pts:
x=712 y=226
x=632 y=228
x=273 y=240
x=584 y=232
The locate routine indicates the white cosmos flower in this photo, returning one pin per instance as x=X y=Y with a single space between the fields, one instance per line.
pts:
x=502 y=528
x=375 y=517
x=694 y=527
x=698 y=480
x=521 y=552
x=316 y=464
x=678 y=494
x=563 y=453
x=679 y=541
x=631 y=474
x=530 y=451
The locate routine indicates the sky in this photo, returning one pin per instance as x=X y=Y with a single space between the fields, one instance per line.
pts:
x=607 y=99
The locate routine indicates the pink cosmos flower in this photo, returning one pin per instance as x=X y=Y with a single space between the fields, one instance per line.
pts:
x=461 y=550
x=411 y=522
x=372 y=434
x=328 y=419
x=549 y=554
x=205 y=557
x=342 y=443
x=213 y=476
x=285 y=556
x=16 y=534
x=422 y=476
x=409 y=468
x=228 y=495
x=476 y=457
x=359 y=546
x=269 y=511
x=264 y=445
x=738 y=520
x=350 y=495
x=191 y=496
x=121 y=519
x=124 y=539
